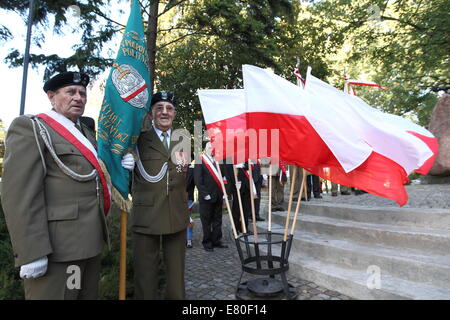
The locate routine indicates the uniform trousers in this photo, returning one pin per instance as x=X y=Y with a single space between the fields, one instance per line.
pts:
x=73 y=280
x=277 y=192
x=147 y=249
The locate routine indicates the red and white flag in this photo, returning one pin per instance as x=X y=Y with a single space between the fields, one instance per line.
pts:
x=299 y=76
x=329 y=133
x=363 y=83
x=349 y=83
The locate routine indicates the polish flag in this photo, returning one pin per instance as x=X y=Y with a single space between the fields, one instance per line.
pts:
x=363 y=83
x=226 y=123
x=326 y=131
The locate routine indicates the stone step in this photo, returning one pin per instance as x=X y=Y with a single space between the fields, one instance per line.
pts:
x=356 y=283
x=359 y=283
x=426 y=218
x=411 y=265
x=393 y=236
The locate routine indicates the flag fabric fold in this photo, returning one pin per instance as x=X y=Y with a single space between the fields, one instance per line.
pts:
x=328 y=132
x=126 y=102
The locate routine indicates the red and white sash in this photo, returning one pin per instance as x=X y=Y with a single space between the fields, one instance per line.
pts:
x=66 y=129
x=213 y=171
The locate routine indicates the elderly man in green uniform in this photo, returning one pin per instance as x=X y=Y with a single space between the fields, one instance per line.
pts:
x=160 y=213
x=55 y=196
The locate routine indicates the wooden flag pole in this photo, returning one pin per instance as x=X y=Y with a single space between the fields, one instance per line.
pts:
x=227 y=202
x=270 y=198
x=294 y=175
x=252 y=201
x=241 y=210
x=298 y=203
x=123 y=255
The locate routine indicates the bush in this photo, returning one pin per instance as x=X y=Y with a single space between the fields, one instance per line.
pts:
x=11 y=287
x=109 y=277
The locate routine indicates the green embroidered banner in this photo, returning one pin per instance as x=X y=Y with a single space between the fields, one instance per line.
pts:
x=126 y=101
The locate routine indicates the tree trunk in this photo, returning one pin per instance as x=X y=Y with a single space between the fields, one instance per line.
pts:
x=151 y=40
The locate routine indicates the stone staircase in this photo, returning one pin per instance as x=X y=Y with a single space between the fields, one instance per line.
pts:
x=370 y=253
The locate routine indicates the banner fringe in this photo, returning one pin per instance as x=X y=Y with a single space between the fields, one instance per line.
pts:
x=123 y=204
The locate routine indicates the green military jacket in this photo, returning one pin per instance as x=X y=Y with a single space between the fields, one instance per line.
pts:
x=161 y=207
x=46 y=211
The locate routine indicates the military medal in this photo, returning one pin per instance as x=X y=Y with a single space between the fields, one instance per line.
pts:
x=181 y=161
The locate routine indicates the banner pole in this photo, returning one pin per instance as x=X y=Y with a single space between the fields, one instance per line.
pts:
x=123 y=255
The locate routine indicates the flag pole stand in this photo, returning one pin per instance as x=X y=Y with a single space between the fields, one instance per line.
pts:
x=261 y=262
x=123 y=255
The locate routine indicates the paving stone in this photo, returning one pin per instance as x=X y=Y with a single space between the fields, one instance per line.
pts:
x=323 y=296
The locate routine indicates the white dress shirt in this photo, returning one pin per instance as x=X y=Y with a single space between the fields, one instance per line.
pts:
x=161 y=137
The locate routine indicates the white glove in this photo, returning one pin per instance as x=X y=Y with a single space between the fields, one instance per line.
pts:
x=240 y=165
x=128 y=161
x=208 y=197
x=238 y=185
x=34 y=269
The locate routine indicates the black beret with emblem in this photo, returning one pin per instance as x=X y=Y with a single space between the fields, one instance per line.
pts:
x=163 y=96
x=66 y=79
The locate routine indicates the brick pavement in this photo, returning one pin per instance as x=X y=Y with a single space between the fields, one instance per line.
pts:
x=214 y=275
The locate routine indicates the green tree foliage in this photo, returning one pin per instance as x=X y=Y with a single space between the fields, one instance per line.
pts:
x=405 y=45
x=224 y=35
x=2 y=146
x=97 y=29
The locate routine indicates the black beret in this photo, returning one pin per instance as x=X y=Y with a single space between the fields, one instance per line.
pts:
x=163 y=96
x=66 y=79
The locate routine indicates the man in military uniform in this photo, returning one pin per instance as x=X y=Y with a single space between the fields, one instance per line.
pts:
x=160 y=213
x=279 y=179
x=55 y=196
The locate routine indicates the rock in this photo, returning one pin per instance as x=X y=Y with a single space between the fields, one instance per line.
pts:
x=440 y=127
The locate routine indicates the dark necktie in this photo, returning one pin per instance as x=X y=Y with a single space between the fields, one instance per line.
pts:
x=164 y=141
x=79 y=128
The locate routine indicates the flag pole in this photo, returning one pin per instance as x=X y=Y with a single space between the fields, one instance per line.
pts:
x=123 y=247
x=123 y=255
x=300 y=84
x=298 y=203
x=252 y=201
x=244 y=229
x=270 y=198
x=294 y=175
x=233 y=227
x=26 y=58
